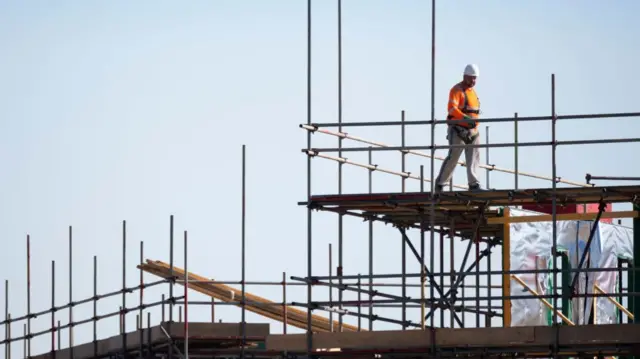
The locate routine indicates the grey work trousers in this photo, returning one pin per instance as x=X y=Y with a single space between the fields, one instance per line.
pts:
x=472 y=158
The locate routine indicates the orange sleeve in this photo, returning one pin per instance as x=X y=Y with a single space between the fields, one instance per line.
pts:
x=456 y=98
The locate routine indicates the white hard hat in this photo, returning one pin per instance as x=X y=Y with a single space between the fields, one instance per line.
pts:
x=472 y=70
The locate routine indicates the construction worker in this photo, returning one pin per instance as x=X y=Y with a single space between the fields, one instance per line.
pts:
x=463 y=105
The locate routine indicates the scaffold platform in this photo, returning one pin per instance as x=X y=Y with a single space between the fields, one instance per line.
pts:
x=461 y=209
x=529 y=342
x=167 y=339
x=224 y=339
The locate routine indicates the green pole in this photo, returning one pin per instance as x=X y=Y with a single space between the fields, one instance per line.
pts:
x=633 y=279
x=566 y=283
x=633 y=284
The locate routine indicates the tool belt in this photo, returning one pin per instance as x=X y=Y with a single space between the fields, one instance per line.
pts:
x=477 y=112
x=474 y=123
x=465 y=134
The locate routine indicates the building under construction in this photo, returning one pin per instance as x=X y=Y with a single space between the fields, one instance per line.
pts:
x=564 y=285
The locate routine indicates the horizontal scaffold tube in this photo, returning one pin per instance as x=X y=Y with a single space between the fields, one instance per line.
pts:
x=371 y=167
x=480 y=145
x=422 y=154
x=484 y=120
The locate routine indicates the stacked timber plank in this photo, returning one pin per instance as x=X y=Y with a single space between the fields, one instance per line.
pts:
x=259 y=305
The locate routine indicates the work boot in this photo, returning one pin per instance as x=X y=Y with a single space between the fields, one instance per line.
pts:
x=475 y=187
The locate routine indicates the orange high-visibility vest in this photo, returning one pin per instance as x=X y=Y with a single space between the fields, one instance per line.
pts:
x=463 y=102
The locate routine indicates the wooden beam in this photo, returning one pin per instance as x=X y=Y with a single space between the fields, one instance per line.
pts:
x=613 y=301
x=561 y=217
x=259 y=305
x=544 y=301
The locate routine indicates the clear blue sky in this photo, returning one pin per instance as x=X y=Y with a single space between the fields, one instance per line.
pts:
x=134 y=111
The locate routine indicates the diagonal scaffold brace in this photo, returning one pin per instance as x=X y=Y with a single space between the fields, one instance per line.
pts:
x=327 y=308
x=453 y=290
x=450 y=295
x=594 y=228
x=432 y=279
x=353 y=288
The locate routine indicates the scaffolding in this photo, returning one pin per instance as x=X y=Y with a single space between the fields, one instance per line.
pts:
x=482 y=221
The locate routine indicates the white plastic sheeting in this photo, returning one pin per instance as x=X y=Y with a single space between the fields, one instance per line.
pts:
x=531 y=245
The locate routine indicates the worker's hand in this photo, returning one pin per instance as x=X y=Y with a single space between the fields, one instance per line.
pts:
x=472 y=123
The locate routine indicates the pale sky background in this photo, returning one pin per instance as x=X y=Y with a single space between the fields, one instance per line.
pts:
x=135 y=111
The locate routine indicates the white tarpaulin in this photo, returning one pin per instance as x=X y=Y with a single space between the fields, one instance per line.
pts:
x=531 y=245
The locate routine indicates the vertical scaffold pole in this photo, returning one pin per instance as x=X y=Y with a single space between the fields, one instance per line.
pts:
x=422 y=271
x=331 y=328
x=95 y=306
x=340 y=164
x=633 y=277
x=487 y=155
x=433 y=150
x=515 y=150
x=285 y=319
x=244 y=263
x=506 y=267
x=7 y=324
x=370 y=249
x=24 y=341
x=28 y=296
x=124 y=286
x=141 y=297
x=554 y=227
x=53 y=306
x=171 y=284
x=442 y=285
x=309 y=211
x=71 y=291
x=186 y=301
x=402 y=241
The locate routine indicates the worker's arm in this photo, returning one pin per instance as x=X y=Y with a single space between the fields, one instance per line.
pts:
x=456 y=99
